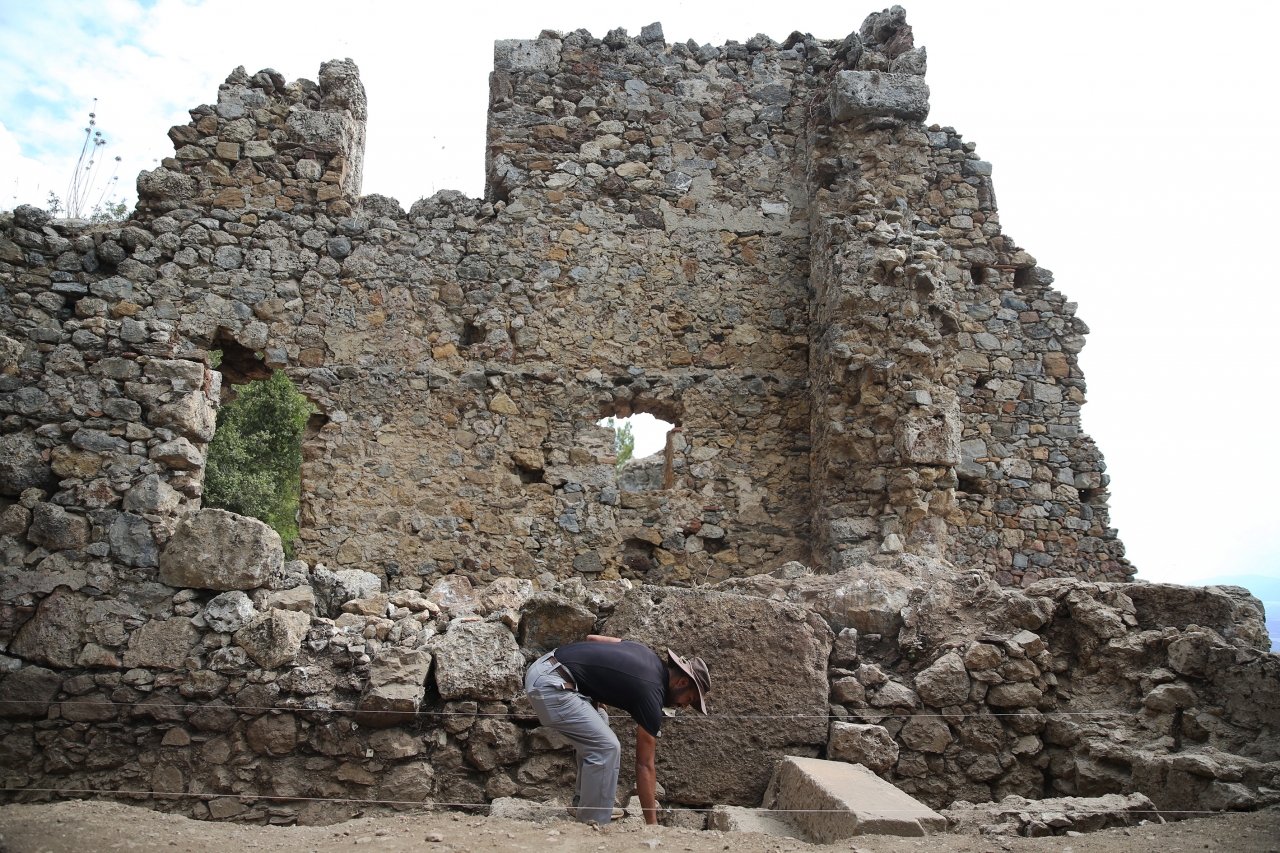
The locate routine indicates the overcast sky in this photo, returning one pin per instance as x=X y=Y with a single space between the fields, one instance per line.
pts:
x=1131 y=144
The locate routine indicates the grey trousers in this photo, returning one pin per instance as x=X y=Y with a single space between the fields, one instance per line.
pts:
x=596 y=745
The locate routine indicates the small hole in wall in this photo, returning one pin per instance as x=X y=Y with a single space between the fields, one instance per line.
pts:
x=531 y=475
x=472 y=334
x=970 y=486
x=978 y=274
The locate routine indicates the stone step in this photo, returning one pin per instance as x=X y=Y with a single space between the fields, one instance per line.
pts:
x=832 y=800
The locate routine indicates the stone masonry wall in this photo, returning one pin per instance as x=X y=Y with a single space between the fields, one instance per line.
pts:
x=762 y=243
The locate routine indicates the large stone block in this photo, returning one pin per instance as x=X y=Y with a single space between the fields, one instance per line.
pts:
x=28 y=693
x=875 y=93
x=859 y=743
x=478 y=660
x=22 y=466
x=944 y=682
x=527 y=54
x=163 y=645
x=549 y=620
x=274 y=638
x=929 y=437
x=54 y=635
x=397 y=683
x=768 y=663
x=830 y=801
x=216 y=549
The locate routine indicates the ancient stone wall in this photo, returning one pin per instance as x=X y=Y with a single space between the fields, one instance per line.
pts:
x=763 y=243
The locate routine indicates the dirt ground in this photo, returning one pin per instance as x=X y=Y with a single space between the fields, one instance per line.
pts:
x=78 y=826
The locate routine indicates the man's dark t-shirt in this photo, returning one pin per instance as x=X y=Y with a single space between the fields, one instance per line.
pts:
x=626 y=675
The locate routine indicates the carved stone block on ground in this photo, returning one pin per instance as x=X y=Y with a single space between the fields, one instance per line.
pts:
x=740 y=819
x=837 y=800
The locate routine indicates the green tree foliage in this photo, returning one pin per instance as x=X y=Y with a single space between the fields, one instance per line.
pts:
x=255 y=457
x=624 y=441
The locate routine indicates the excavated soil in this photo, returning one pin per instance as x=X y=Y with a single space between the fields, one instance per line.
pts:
x=79 y=826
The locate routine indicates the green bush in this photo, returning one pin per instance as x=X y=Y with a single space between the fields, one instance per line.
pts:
x=255 y=458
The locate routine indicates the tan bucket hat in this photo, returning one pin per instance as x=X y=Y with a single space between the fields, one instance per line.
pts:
x=696 y=669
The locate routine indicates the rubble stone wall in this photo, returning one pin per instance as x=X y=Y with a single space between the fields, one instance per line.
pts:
x=762 y=243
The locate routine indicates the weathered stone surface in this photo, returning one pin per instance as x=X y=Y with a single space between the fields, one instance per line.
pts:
x=549 y=620
x=56 y=529
x=526 y=54
x=868 y=745
x=397 y=683
x=21 y=464
x=29 y=692
x=152 y=495
x=334 y=589
x=834 y=801
x=273 y=638
x=739 y=819
x=454 y=594
x=1050 y=816
x=478 y=660
x=229 y=612
x=944 y=682
x=216 y=549
x=517 y=808
x=273 y=734
x=926 y=733
x=872 y=93
x=161 y=644
x=1020 y=695
x=408 y=785
x=54 y=635
x=771 y=658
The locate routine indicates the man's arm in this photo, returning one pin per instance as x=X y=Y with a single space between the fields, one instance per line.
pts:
x=600 y=638
x=646 y=776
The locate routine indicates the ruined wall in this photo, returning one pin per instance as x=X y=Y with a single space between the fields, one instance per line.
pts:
x=763 y=243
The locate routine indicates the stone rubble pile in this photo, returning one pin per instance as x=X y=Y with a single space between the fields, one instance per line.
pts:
x=762 y=243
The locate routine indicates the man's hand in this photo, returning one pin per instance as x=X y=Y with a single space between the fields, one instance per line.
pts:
x=646 y=776
x=600 y=638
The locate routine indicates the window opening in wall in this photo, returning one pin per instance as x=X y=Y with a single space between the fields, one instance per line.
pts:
x=978 y=274
x=640 y=445
x=254 y=466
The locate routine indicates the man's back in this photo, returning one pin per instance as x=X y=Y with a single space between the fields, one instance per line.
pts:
x=625 y=675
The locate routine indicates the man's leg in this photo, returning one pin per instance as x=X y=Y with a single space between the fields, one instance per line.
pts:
x=597 y=750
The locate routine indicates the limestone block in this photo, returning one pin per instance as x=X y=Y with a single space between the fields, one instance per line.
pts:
x=408 y=785
x=179 y=454
x=273 y=734
x=505 y=594
x=944 y=682
x=858 y=743
x=772 y=660
x=845 y=650
x=229 y=612
x=334 y=589
x=875 y=93
x=161 y=644
x=454 y=594
x=56 y=529
x=478 y=660
x=191 y=414
x=838 y=800
x=527 y=54
x=739 y=819
x=517 y=808
x=274 y=637
x=324 y=131
x=1022 y=694
x=28 y=693
x=299 y=598
x=929 y=436
x=397 y=683
x=216 y=549
x=548 y=620
x=152 y=495
x=926 y=733
x=53 y=636
x=132 y=541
